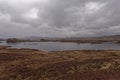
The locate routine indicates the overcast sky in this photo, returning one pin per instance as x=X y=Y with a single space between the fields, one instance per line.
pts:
x=59 y=18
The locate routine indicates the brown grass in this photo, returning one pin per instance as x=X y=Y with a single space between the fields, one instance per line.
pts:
x=28 y=64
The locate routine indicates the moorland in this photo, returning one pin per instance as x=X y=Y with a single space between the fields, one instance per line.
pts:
x=31 y=64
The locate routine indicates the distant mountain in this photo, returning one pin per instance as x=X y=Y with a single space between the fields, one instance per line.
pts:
x=116 y=37
x=113 y=36
x=39 y=38
x=32 y=38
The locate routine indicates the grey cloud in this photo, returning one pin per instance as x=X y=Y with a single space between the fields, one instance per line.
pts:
x=59 y=18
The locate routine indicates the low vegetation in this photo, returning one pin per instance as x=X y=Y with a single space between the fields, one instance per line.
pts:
x=118 y=42
x=30 y=64
x=15 y=40
x=82 y=40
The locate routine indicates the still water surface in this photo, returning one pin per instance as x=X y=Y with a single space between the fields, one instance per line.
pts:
x=59 y=46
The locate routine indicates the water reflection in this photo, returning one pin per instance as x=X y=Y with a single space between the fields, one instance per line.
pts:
x=58 y=46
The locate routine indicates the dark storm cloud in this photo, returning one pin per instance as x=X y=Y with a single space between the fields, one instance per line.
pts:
x=59 y=18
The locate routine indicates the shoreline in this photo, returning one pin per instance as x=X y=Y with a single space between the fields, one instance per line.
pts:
x=65 y=40
x=10 y=47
